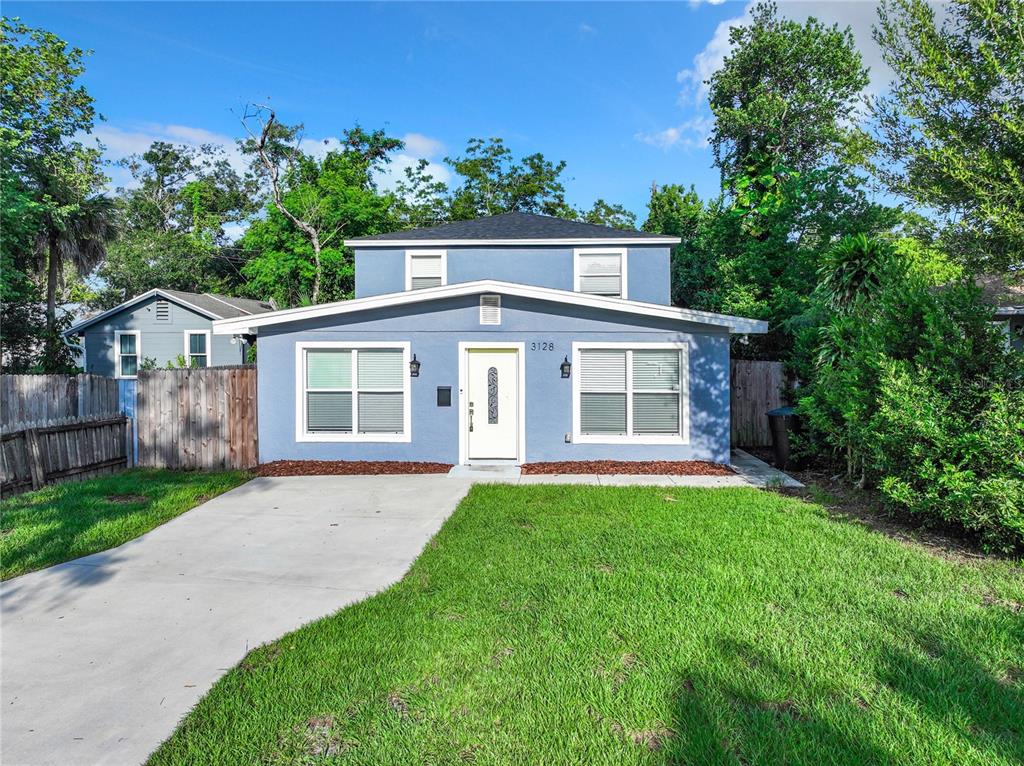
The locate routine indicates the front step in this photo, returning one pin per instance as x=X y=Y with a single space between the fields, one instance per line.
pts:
x=485 y=471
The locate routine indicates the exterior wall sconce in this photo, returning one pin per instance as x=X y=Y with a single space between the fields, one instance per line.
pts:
x=565 y=367
x=414 y=367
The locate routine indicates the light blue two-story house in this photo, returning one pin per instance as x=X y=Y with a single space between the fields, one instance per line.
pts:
x=513 y=338
x=162 y=327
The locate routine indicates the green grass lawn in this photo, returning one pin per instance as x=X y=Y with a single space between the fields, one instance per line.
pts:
x=590 y=625
x=66 y=521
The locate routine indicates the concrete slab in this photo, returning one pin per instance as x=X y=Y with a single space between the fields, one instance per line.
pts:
x=758 y=473
x=634 y=480
x=103 y=656
x=486 y=472
x=560 y=478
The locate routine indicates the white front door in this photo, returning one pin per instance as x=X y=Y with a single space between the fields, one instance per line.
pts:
x=492 y=404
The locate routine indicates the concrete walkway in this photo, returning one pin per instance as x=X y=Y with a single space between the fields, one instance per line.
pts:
x=104 y=655
x=750 y=472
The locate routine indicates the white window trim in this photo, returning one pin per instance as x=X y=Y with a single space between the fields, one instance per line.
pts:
x=303 y=435
x=684 y=395
x=410 y=254
x=209 y=347
x=464 y=348
x=117 y=353
x=623 y=266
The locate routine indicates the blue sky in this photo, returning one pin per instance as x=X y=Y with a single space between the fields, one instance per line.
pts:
x=611 y=88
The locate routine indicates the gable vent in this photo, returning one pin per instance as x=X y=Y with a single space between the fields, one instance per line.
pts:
x=163 y=311
x=490 y=309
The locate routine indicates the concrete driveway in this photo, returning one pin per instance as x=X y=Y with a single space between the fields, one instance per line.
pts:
x=104 y=655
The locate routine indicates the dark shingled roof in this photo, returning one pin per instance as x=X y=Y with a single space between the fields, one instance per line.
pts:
x=514 y=226
x=223 y=306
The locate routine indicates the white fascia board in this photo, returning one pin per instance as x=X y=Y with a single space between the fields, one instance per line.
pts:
x=617 y=241
x=79 y=326
x=248 y=325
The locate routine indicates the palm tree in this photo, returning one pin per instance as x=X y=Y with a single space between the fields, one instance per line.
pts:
x=853 y=270
x=74 y=235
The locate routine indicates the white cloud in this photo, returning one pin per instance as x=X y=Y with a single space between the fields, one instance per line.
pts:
x=588 y=30
x=859 y=16
x=120 y=143
x=709 y=60
x=419 y=145
x=691 y=134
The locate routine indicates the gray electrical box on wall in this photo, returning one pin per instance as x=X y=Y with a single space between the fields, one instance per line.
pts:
x=444 y=396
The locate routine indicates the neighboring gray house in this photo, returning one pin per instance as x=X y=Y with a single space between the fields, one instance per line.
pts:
x=163 y=325
x=1008 y=300
x=513 y=338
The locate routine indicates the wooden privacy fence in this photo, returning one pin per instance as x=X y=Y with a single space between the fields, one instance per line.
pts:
x=197 y=418
x=35 y=398
x=35 y=454
x=756 y=387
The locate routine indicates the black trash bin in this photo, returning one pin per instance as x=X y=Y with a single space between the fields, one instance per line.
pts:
x=783 y=421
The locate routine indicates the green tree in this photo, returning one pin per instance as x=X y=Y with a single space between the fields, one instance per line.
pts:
x=494 y=182
x=788 y=90
x=951 y=127
x=42 y=112
x=788 y=158
x=607 y=214
x=853 y=271
x=679 y=212
x=172 y=222
x=297 y=250
x=422 y=200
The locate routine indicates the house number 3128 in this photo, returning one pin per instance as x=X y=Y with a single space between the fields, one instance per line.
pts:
x=542 y=346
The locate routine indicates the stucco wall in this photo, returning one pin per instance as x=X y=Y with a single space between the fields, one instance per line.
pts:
x=162 y=341
x=434 y=336
x=382 y=270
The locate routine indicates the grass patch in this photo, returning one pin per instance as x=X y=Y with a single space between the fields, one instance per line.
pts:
x=66 y=521
x=600 y=625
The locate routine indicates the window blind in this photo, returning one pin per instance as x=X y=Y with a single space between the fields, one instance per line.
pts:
x=426 y=271
x=601 y=275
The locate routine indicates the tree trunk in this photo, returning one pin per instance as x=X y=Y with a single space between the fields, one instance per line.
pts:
x=316 y=269
x=52 y=275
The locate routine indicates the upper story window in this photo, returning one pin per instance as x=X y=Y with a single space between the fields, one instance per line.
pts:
x=600 y=271
x=127 y=348
x=197 y=348
x=425 y=268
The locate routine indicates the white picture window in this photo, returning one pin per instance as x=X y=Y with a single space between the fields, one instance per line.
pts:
x=197 y=348
x=357 y=392
x=425 y=268
x=630 y=393
x=600 y=272
x=127 y=350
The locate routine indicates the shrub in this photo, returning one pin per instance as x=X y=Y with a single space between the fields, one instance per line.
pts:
x=917 y=392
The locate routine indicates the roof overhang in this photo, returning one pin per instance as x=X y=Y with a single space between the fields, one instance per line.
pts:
x=155 y=292
x=1009 y=311
x=596 y=242
x=249 y=325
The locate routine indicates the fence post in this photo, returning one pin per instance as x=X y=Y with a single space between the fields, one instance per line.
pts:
x=129 y=443
x=35 y=458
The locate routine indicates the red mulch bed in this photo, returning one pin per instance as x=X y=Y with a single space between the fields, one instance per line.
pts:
x=347 y=468
x=647 y=467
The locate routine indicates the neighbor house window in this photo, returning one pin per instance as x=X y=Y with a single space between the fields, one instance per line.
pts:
x=630 y=393
x=600 y=272
x=197 y=348
x=358 y=392
x=127 y=347
x=425 y=268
